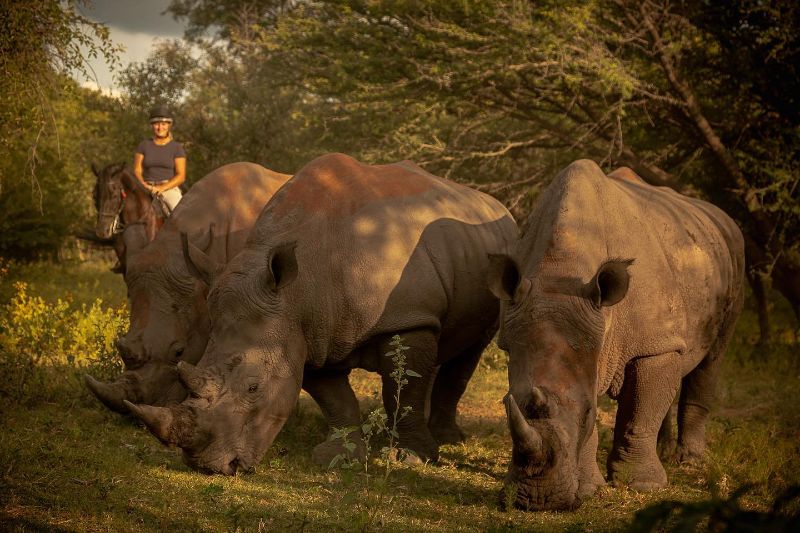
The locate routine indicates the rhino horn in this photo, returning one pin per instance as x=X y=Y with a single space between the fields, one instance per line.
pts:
x=159 y=420
x=198 y=382
x=112 y=395
x=525 y=437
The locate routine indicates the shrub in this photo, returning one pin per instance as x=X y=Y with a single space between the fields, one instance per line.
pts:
x=45 y=345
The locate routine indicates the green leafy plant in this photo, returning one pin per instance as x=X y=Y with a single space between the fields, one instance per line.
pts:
x=375 y=489
x=43 y=343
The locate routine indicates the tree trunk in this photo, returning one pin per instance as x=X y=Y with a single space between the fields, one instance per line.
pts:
x=756 y=279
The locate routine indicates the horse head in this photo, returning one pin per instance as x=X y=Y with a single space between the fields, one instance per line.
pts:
x=109 y=198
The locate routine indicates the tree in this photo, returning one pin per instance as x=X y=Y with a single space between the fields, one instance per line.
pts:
x=43 y=189
x=41 y=42
x=503 y=92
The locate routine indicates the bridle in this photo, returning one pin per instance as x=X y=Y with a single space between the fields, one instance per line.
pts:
x=117 y=225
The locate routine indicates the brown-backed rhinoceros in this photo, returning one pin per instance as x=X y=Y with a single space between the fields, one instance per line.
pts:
x=169 y=318
x=343 y=257
x=614 y=287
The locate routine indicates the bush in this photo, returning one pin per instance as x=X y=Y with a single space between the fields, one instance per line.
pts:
x=44 y=346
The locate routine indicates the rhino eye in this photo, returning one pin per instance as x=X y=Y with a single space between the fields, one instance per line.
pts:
x=177 y=350
x=253 y=387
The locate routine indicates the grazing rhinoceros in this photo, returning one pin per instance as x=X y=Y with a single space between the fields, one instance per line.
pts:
x=169 y=318
x=614 y=287
x=343 y=257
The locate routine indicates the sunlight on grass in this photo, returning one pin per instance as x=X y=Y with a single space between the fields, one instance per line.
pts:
x=69 y=464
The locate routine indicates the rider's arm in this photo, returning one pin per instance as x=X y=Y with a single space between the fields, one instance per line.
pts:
x=179 y=177
x=137 y=170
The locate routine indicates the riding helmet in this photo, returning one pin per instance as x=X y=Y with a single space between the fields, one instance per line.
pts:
x=160 y=113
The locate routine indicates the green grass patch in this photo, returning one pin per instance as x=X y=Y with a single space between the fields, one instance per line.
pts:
x=67 y=464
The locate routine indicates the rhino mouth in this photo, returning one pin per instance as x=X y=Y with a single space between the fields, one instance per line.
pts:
x=534 y=495
x=228 y=466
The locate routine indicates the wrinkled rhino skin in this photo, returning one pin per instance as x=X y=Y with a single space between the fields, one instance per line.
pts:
x=614 y=287
x=168 y=314
x=345 y=256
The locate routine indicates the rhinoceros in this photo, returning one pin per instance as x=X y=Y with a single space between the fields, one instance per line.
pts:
x=614 y=287
x=344 y=257
x=169 y=319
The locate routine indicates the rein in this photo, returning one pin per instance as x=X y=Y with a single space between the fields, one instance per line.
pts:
x=117 y=225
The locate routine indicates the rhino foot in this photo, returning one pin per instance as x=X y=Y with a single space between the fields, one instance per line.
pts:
x=424 y=447
x=684 y=454
x=448 y=434
x=641 y=478
x=325 y=452
x=591 y=479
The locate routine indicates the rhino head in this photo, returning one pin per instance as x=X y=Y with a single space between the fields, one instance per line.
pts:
x=553 y=329
x=168 y=323
x=248 y=380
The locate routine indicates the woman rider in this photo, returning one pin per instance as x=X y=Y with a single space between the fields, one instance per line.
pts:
x=160 y=162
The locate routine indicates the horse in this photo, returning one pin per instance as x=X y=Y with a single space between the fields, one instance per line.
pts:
x=127 y=214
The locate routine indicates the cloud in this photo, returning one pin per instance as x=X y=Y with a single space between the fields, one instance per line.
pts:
x=139 y=16
x=137 y=48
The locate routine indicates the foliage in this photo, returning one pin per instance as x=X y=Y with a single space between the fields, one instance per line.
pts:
x=41 y=42
x=375 y=490
x=721 y=514
x=37 y=217
x=43 y=345
x=69 y=463
x=502 y=94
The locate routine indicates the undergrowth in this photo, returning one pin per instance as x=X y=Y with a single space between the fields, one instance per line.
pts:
x=69 y=465
x=368 y=491
x=45 y=346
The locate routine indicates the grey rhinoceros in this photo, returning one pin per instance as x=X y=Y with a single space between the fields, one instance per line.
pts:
x=168 y=314
x=344 y=256
x=614 y=287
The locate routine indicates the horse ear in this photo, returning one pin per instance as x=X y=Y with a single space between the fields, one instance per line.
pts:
x=199 y=264
x=95 y=170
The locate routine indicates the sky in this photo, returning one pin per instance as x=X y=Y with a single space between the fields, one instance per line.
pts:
x=136 y=25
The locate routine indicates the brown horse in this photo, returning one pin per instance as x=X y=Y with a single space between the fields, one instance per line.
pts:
x=127 y=214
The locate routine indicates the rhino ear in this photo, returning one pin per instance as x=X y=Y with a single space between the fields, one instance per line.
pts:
x=135 y=238
x=207 y=239
x=503 y=276
x=282 y=266
x=95 y=169
x=610 y=284
x=199 y=264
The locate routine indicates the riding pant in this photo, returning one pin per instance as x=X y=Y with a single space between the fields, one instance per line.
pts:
x=171 y=197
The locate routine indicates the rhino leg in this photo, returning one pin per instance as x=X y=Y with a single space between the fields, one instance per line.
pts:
x=448 y=387
x=339 y=405
x=589 y=476
x=666 y=436
x=421 y=358
x=697 y=394
x=648 y=391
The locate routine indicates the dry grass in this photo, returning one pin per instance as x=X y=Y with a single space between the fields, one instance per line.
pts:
x=73 y=466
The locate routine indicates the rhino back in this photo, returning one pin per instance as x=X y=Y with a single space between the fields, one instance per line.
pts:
x=383 y=248
x=688 y=260
x=217 y=214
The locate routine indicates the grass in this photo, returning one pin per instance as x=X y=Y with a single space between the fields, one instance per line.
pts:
x=71 y=465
